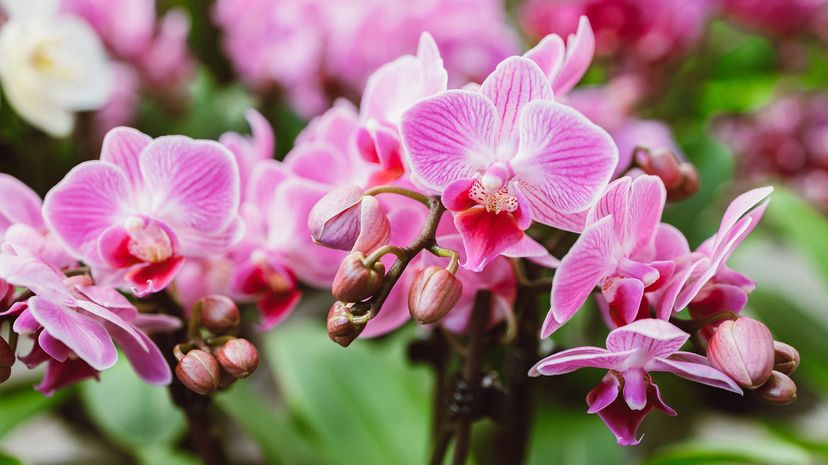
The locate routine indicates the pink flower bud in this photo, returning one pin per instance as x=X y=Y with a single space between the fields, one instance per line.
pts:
x=355 y=282
x=199 y=371
x=743 y=350
x=778 y=390
x=433 y=294
x=341 y=327
x=346 y=219
x=6 y=354
x=238 y=357
x=785 y=358
x=219 y=314
x=680 y=178
x=5 y=373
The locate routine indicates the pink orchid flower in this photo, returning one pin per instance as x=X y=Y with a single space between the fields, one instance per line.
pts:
x=702 y=279
x=615 y=252
x=627 y=393
x=146 y=205
x=565 y=64
x=21 y=223
x=389 y=91
x=76 y=324
x=249 y=150
x=505 y=157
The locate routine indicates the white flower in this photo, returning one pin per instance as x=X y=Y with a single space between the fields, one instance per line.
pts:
x=51 y=65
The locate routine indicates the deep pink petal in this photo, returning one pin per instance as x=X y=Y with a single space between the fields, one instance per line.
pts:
x=670 y=243
x=485 y=235
x=656 y=338
x=564 y=162
x=624 y=297
x=695 y=368
x=143 y=355
x=580 y=357
x=153 y=277
x=194 y=183
x=54 y=348
x=514 y=83
x=448 y=137
x=122 y=147
x=91 y=198
x=635 y=389
x=276 y=307
x=59 y=375
x=588 y=261
x=86 y=337
x=619 y=418
x=113 y=247
x=456 y=195
x=603 y=395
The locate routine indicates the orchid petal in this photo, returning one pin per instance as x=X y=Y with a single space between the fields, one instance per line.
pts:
x=656 y=338
x=122 y=147
x=485 y=235
x=695 y=368
x=580 y=357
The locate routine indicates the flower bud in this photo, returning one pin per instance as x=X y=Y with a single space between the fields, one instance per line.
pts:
x=346 y=219
x=778 y=390
x=199 y=371
x=433 y=293
x=743 y=350
x=785 y=358
x=238 y=357
x=355 y=282
x=341 y=327
x=680 y=178
x=219 y=314
x=5 y=373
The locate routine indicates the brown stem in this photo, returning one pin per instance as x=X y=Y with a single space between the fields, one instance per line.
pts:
x=472 y=369
x=204 y=433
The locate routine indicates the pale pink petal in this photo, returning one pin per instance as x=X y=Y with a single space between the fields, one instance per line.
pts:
x=18 y=204
x=564 y=161
x=647 y=198
x=738 y=208
x=656 y=338
x=111 y=299
x=485 y=235
x=263 y=138
x=670 y=243
x=265 y=178
x=580 y=357
x=113 y=319
x=318 y=161
x=152 y=323
x=456 y=195
x=374 y=228
x=196 y=245
x=589 y=260
x=514 y=83
x=32 y=273
x=635 y=389
x=92 y=197
x=532 y=250
x=614 y=201
x=43 y=245
x=580 y=48
x=56 y=349
x=122 y=147
x=549 y=55
x=334 y=221
x=87 y=338
x=448 y=137
x=695 y=368
x=193 y=183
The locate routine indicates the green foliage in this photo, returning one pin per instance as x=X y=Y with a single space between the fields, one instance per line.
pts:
x=9 y=460
x=571 y=437
x=19 y=405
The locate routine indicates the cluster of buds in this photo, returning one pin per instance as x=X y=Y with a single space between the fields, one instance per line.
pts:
x=744 y=349
x=206 y=364
x=679 y=177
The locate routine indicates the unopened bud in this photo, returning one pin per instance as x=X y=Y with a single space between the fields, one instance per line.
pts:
x=778 y=390
x=347 y=219
x=199 y=371
x=5 y=373
x=680 y=178
x=341 y=326
x=6 y=354
x=743 y=350
x=433 y=294
x=219 y=314
x=238 y=357
x=785 y=358
x=355 y=282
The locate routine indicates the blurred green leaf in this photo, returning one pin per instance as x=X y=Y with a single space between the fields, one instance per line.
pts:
x=165 y=456
x=9 y=460
x=366 y=403
x=571 y=438
x=278 y=437
x=131 y=412
x=19 y=405
x=753 y=452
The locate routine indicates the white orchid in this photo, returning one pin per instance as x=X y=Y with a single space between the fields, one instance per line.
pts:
x=52 y=65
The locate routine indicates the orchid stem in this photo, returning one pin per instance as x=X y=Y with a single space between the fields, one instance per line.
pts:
x=423 y=199
x=447 y=253
x=381 y=252
x=12 y=338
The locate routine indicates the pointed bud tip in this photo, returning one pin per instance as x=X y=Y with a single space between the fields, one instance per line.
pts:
x=219 y=314
x=355 y=282
x=786 y=358
x=434 y=292
x=238 y=357
x=778 y=390
x=199 y=371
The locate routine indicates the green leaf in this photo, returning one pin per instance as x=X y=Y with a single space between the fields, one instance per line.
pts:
x=571 y=438
x=277 y=436
x=752 y=452
x=131 y=412
x=9 y=460
x=19 y=405
x=366 y=403
x=165 y=456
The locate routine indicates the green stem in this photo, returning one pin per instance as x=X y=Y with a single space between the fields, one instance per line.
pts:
x=447 y=253
x=423 y=199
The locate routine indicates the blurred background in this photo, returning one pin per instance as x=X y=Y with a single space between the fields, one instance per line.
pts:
x=738 y=87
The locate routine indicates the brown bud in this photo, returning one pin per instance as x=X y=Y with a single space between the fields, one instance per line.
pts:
x=743 y=350
x=238 y=357
x=199 y=371
x=778 y=390
x=355 y=282
x=6 y=354
x=785 y=358
x=680 y=178
x=5 y=373
x=219 y=314
x=341 y=327
x=433 y=294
